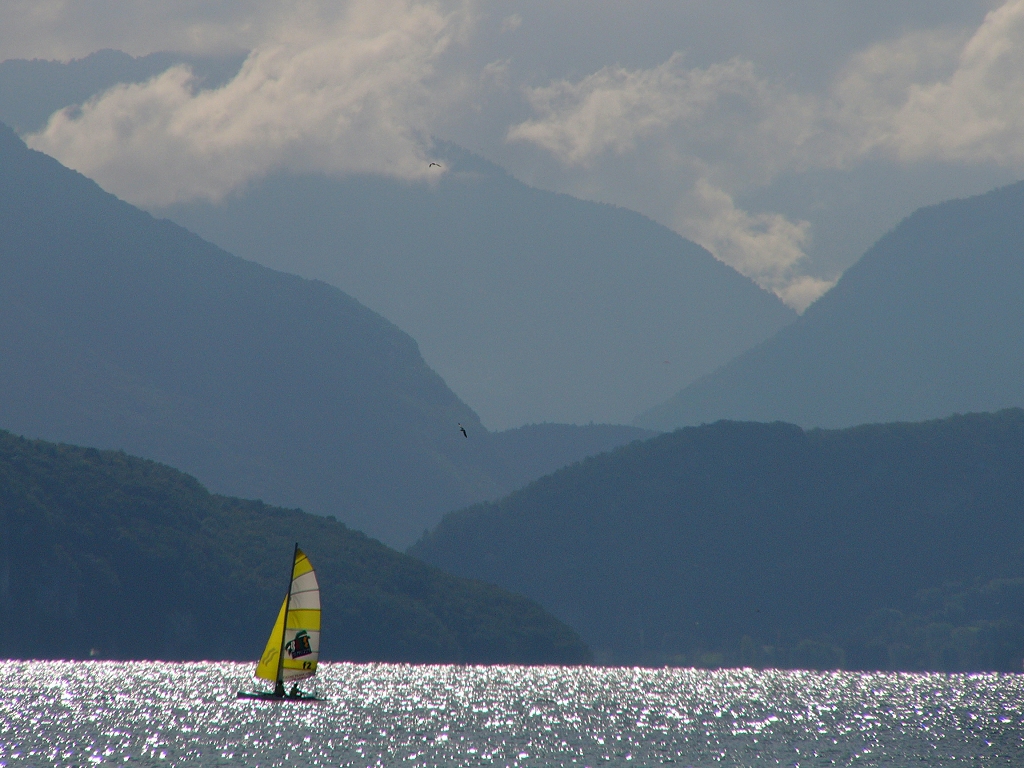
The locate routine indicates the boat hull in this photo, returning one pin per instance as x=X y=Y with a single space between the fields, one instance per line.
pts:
x=262 y=696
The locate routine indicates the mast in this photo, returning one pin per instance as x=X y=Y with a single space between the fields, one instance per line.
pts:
x=284 y=627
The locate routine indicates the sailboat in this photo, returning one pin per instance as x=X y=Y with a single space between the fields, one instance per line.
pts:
x=294 y=645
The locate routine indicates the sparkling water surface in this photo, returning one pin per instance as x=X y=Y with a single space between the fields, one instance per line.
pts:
x=163 y=714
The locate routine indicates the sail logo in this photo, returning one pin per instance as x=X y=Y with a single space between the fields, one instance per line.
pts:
x=299 y=646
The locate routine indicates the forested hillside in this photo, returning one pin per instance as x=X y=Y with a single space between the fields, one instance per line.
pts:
x=106 y=555
x=894 y=546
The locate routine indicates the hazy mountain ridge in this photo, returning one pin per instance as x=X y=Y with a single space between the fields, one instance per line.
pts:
x=108 y=555
x=928 y=323
x=121 y=331
x=533 y=306
x=518 y=460
x=746 y=543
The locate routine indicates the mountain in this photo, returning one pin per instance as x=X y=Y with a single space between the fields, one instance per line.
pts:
x=121 y=331
x=928 y=323
x=32 y=90
x=514 y=457
x=104 y=554
x=893 y=546
x=533 y=306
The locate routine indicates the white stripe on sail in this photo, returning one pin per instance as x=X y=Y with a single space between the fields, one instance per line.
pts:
x=305 y=583
x=304 y=601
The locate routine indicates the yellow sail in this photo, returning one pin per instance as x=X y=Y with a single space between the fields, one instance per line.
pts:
x=296 y=633
x=267 y=668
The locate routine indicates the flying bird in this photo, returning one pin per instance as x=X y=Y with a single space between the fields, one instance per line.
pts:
x=462 y=429
x=433 y=164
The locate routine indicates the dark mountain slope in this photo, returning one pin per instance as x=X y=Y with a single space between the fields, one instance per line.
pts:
x=533 y=306
x=928 y=323
x=683 y=545
x=105 y=554
x=121 y=331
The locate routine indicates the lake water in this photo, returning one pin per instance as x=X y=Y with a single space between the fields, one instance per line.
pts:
x=163 y=714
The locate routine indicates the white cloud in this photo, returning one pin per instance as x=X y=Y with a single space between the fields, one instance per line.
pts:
x=355 y=93
x=976 y=114
x=358 y=86
x=858 y=111
x=767 y=247
x=946 y=96
x=722 y=126
x=511 y=23
x=716 y=110
x=718 y=130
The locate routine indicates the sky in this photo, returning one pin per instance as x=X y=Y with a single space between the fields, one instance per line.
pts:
x=785 y=137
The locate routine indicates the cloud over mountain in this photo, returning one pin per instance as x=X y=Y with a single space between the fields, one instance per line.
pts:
x=351 y=94
x=712 y=132
x=976 y=113
x=686 y=138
